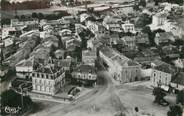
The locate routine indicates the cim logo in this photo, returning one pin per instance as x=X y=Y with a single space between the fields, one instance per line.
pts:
x=12 y=110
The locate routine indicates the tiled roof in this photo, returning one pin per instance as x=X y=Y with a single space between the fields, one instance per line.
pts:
x=164 y=67
x=88 y=53
x=85 y=69
x=28 y=63
x=107 y=51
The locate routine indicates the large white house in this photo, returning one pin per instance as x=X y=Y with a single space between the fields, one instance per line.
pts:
x=128 y=27
x=162 y=73
x=48 y=80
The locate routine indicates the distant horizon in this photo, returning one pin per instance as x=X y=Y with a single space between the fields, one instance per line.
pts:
x=16 y=1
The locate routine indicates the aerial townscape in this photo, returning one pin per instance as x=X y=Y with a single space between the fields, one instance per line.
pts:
x=92 y=58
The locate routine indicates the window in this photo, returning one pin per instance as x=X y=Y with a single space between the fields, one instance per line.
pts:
x=35 y=80
x=154 y=79
x=44 y=82
x=42 y=76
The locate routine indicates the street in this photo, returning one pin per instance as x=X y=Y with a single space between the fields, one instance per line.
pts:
x=108 y=98
x=104 y=91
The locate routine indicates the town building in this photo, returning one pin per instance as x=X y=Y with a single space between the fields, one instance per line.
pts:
x=65 y=32
x=162 y=74
x=55 y=2
x=84 y=17
x=171 y=52
x=85 y=75
x=162 y=38
x=97 y=29
x=112 y=24
x=142 y=39
x=48 y=80
x=59 y=54
x=89 y=57
x=71 y=41
x=159 y=19
x=114 y=38
x=179 y=63
x=64 y=63
x=6 y=31
x=146 y=56
x=128 y=27
x=25 y=67
x=23 y=22
x=94 y=43
x=8 y=41
x=119 y=66
x=129 y=42
x=56 y=24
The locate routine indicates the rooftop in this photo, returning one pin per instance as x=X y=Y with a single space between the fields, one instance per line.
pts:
x=128 y=38
x=48 y=69
x=64 y=63
x=28 y=63
x=109 y=52
x=88 y=53
x=164 y=67
x=85 y=69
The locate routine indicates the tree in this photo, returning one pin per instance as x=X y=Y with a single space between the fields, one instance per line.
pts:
x=142 y=3
x=12 y=99
x=156 y=2
x=151 y=35
x=180 y=97
x=22 y=16
x=40 y=16
x=180 y=2
x=143 y=20
x=159 y=95
x=34 y=15
x=136 y=7
x=175 y=110
x=5 y=21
